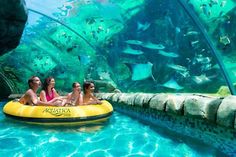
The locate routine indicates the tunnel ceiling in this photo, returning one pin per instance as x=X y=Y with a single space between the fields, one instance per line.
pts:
x=129 y=46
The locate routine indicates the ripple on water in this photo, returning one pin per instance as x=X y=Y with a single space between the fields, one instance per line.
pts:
x=121 y=145
x=149 y=148
x=56 y=148
x=122 y=137
x=96 y=153
x=5 y=132
x=139 y=140
x=139 y=154
x=10 y=143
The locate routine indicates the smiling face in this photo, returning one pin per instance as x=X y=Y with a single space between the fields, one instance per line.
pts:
x=51 y=83
x=88 y=87
x=76 y=87
x=34 y=82
x=48 y=84
x=91 y=87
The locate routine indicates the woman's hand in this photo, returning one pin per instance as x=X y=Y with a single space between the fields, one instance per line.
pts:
x=98 y=102
x=59 y=102
x=95 y=102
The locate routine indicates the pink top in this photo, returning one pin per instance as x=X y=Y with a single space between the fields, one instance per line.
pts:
x=48 y=97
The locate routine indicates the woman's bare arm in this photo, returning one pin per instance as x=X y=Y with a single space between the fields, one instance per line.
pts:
x=42 y=96
x=55 y=92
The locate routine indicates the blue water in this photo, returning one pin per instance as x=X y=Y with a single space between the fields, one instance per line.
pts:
x=120 y=136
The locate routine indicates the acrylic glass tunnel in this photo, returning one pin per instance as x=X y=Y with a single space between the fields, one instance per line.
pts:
x=150 y=46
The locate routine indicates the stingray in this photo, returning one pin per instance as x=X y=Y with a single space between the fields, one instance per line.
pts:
x=143 y=26
x=141 y=71
x=172 y=84
x=131 y=51
x=110 y=11
x=201 y=79
x=84 y=59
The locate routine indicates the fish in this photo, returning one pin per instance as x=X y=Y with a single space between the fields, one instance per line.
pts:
x=184 y=74
x=69 y=49
x=168 y=20
x=154 y=46
x=213 y=2
x=190 y=33
x=143 y=26
x=177 y=67
x=203 y=60
x=110 y=11
x=100 y=29
x=90 y=20
x=84 y=59
x=134 y=42
x=194 y=42
x=224 y=40
x=131 y=51
x=223 y=2
x=172 y=84
x=205 y=10
x=168 y=54
x=201 y=79
x=141 y=71
x=206 y=67
x=104 y=75
x=177 y=30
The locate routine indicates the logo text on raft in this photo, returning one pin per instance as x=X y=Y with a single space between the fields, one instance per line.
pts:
x=58 y=111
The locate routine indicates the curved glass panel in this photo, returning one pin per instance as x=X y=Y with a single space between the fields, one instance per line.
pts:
x=131 y=46
x=218 y=18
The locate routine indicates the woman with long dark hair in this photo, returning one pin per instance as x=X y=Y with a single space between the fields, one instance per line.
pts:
x=89 y=98
x=75 y=97
x=48 y=93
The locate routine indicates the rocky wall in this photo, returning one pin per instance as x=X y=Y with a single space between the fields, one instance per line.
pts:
x=13 y=16
x=207 y=118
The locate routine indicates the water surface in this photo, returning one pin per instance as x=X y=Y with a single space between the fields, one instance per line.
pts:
x=120 y=136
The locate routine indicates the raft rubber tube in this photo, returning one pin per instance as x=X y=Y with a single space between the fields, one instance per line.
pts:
x=54 y=115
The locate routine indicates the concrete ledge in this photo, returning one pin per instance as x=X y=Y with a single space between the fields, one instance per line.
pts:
x=226 y=112
x=175 y=104
x=158 y=102
x=207 y=118
x=214 y=109
x=201 y=107
x=143 y=99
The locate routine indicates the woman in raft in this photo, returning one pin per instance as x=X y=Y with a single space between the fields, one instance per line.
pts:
x=89 y=98
x=48 y=93
x=75 y=97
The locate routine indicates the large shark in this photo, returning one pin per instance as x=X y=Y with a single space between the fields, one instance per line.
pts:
x=168 y=54
x=131 y=51
x=177 y=67
x=134 y=42
x=154 y=46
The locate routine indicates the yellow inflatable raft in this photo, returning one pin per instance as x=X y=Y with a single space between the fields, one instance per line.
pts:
x=53 y=115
